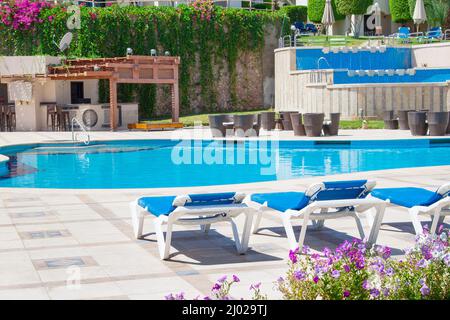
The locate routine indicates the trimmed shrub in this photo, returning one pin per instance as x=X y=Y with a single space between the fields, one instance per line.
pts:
x=295 y=13
x=349 y=7
x=400 y=11
x=315 y=10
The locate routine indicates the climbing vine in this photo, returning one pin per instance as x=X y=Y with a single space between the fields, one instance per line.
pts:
x=202 y=41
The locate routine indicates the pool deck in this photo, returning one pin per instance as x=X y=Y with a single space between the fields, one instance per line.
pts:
x=43 y=231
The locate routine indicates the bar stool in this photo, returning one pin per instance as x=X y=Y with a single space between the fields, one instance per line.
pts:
x=52 y=115
x=10 y=118
x=63 y=119
x=2 y=118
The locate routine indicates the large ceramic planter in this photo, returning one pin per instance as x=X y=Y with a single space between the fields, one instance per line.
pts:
x=332 y=129
x=243 y=124
x=437 y=123
x=417 y=123
x=403 y=119
x=297 y=124
x=268 y=120
x=286 y=119
x=313 y=124
x=216 y=124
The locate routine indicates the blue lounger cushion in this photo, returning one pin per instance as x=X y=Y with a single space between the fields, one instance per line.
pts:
x=282 y=201
x=407 y=197
x=164 y=205
x=335 y=190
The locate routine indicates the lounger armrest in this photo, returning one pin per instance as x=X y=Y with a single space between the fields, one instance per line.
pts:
x=416 y=34
x=345 y=203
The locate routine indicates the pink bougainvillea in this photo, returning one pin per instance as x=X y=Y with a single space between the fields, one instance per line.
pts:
x=205 y=8
x=22 y=14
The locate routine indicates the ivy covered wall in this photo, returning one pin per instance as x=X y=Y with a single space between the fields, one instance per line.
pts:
x=221 y=53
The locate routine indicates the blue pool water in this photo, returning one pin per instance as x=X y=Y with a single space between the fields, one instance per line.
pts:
x=164 y=163
x=421 y=76
x=392 y=58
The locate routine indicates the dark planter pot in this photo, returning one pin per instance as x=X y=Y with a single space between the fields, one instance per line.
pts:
x=243 y=124
x=437 y=123
x=388 y=115
x=216 y=124
x=403 y=119
x=448 y=127
x=285 y=117
x=313 y=124
x=417 y=123
x=332 y=129
x=297 y=125
x=268 y=120
x=391 y=124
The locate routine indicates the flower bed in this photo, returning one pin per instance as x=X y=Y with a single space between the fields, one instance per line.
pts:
x=355 y=272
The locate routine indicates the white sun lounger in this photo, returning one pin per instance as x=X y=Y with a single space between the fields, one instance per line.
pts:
x=199 y=209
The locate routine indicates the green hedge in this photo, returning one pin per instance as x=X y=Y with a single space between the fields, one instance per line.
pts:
x=295 y=13
x=436 y=11
x=400 y=11
x=107 y=32
x=349 y=7
x=316 y=8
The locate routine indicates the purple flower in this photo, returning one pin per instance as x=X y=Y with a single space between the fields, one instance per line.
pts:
x=389 y=272
x=236 y=279
x=446 y=259
x=293 y=255
x=365 y=285
x=425 y=291
x=346 y=268
x=222 y=279
x=280 y=279
x=216 y=287
x=360 y=264
x=316 y=279
x=335 y=274
x=422 y=263
x=375 y=293
x=299 y=275
x=346 y=293
x=169 y=297
x=255 y=286
x=386 y=253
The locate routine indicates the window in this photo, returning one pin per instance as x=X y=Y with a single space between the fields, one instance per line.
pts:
x=76 y=92
x=3 y=93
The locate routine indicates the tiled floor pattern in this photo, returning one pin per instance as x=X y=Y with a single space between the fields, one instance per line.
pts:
x=50 y=237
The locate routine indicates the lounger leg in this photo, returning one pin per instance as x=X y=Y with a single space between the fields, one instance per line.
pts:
x=137 y=219
x=414 y=214
x=257 y=222
x=359 y=226
x=163 y=244
x=246 y=232
x=370 y=216
x=376 y=225
x=289 y=231
x=301 y=238
x=205 y=227
x=237 y=241
x=437 y=220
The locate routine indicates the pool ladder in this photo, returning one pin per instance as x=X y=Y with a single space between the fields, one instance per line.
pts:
x=85 y=137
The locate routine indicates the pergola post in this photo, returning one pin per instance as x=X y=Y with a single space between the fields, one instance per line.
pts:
x=175 y=102
x=112 y=103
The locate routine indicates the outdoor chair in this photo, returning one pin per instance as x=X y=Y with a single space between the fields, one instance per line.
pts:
x=244 y=125
x=389 y=122
x=313 y=123
x=404 y=34
x=437 y=123
x=331 y=127
x=268 y=120
x=193 y=209
x=216 y=125
x=417 y=122
x=322 y=201
x=297 y=124
x=311 y=28
x=300 y=26
x=403 y=119
x=434 y=34
x=419 y=201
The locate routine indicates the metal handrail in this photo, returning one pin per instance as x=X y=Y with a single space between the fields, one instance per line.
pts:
x=86 y=141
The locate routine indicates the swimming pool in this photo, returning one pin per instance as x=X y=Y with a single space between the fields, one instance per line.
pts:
x=166 y=163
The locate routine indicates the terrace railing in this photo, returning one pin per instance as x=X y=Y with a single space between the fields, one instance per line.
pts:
x=243 y=4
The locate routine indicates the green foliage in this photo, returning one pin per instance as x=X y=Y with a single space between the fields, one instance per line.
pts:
x=400 y=11
x=316 y=7
x=295 y=13
x=349 y=7
x=202 y=44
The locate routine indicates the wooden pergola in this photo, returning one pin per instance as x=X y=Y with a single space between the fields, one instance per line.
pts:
x=129 y=69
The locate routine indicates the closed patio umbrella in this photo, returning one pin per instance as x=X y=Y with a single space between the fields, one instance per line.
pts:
x=328 y=16
x=420 y=15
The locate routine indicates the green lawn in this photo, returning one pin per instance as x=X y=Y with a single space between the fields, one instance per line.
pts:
x=350 y=41
x=189 y=120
